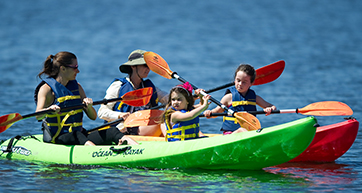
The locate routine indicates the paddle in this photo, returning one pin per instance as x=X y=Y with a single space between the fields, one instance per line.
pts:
x=153 y=117
x=105 y=126
x=158 y=65
x=264 y=75
x=136 y=119
x=138 y=97
x=324 y=108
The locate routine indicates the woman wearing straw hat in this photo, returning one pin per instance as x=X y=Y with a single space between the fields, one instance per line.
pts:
x=137 y=70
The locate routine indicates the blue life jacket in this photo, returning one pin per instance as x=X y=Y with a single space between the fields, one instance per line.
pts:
x=239 y=103
x=184 y=130
x=127 y=87
x=64 y=121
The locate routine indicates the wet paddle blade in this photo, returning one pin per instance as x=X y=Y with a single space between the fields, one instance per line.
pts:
x=247 y=121
x=269 y=72
x=144 y=118
x=326 y=108
x=139 y=97
x=7 y=120
x=157 y=64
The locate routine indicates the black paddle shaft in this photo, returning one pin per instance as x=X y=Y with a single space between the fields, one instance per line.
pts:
x=176 y=76
x=104 y=101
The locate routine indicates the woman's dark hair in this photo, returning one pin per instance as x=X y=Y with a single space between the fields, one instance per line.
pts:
x=53 y=62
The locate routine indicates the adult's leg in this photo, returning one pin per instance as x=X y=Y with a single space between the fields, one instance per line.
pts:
x=72 y=138
x=106 y=137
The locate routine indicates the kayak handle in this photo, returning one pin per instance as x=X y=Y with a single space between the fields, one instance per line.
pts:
x=121 y=150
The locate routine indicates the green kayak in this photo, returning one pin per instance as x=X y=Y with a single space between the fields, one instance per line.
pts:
x=251 y=150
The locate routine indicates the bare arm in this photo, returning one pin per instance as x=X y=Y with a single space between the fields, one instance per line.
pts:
x=177 y=116
x=226 y=100
x=268 y=107
x=45 y=100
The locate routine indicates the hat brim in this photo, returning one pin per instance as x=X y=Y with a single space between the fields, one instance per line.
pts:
x=126 y=67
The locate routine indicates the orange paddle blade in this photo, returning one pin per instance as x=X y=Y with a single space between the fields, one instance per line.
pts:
x=326 y=108
x=269 y=72
x=139 y=97
x=247 y=121
x=7 y=120
x=157 y=64
x=143 y=118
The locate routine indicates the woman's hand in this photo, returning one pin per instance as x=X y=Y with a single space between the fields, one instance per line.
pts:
x=88 y=102
x=124 y=115
x=55 y=108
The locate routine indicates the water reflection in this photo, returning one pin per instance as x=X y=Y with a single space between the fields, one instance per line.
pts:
x=289 y=176
x=317 y=173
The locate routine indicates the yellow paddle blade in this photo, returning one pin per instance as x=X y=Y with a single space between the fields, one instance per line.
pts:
x=157 y=64
x=247 y=121
x=326 y=108
x=144 y=118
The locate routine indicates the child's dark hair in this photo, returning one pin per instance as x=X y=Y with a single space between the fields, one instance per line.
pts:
x=168 y=110
x=248 y=69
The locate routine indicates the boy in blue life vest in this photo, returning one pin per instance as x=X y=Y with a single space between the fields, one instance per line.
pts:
x=240 y=98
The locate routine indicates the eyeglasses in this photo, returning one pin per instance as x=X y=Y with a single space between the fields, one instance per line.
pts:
x=75 y=67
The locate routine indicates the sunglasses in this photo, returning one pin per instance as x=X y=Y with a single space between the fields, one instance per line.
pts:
x=73 y=66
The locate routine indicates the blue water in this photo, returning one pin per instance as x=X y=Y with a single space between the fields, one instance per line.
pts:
x=204 y=41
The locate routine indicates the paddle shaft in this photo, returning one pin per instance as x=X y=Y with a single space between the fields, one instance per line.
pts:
x=207 y=91
x=176 y=76
x=104 y=101
x=105 y=125
x=257 y=112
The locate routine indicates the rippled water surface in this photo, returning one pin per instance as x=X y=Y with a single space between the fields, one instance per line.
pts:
x=203 y=41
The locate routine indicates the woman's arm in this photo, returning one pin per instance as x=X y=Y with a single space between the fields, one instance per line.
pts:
x=45 y=100
x=106 y=111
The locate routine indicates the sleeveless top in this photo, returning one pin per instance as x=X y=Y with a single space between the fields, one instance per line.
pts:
x=184 y=130
x=64 y=121
x=239 y=103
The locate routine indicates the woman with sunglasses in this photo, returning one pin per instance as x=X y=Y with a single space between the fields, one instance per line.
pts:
x=137 y=71
x=60 y=89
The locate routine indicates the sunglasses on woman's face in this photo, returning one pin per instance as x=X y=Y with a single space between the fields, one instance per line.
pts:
x=73 y=66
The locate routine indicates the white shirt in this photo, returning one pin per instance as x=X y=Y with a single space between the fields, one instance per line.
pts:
x=106 y=111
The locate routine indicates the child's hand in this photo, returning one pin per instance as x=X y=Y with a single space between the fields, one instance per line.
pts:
x=197 y=92
x=268 y=110
x=205 y=101
x=207 y=114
